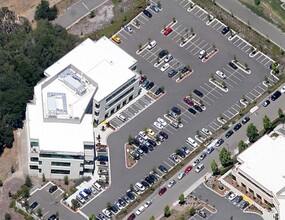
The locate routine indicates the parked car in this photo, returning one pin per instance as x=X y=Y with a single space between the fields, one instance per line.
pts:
x=167 y=31
x=140 y=186
x=206 y=131
x=198 y=93
x=116 y=39
x=199 y=168
x=162 y=121
x=149 y=131
x=171 y=183
x=114 y=209
x=202 y=156
x=148 y=203
x=196 y=162
x=219 y=142
x=162 y=169
x=168 y=58
x=154 y=8
x=202 y=54
x=174 y=158
x=140 y=210
x=158 y=91
x=180 y=175
x=191 y=110
x=153 y=143
x=150 y=85
x=157 y=125
x=188 y=101
x=107 y=213
x=34 y=205
x=188 y=169
x=198 y=108
x=229 y=133
x=246 y=204
x=52 y=188
x=221 y=74
x=282 y=90
x=237 y=126
x=172 y=73
x=225 y=30
x=164 y=67
x=128 y=29
x=145 y=184
x=185 y=150
x=176 y=110
x=192 y=142
x=185 y=69
x=180 y=153
x=151 y=45
x=245 y=120
x=132 y=216
x=52 y=217
x=162 y=133
x=275 y=95
x=162 y=53
x=232 y=65
x=202 y=214
x=266 y=103
x=147 y=13
x=237 y=200
x=210 y=150
x=232 y=196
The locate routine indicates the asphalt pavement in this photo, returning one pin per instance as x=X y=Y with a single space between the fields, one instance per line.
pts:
x=257 y=23
x=216 y=101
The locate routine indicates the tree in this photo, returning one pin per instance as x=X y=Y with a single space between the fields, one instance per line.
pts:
x=12 y=169
x=252 y=133
x=130 y=139
x=25 y=192
x=92 y=14
x=267 y=124
x=215 y=168
x=92 y=217
x=159 y=4
x=152 y=218
x=192 y=211
x=57 y=214
x=8 y=216
x=280 y=113
x=242 y=146
x=74 y=204
x=28 y=181
x=225 y=157
x=43 y=177
x=108 y=205
x=167 y=211
x=66 y=180
x=43 y=11
x=39 y=212
x=257 y=2
x=1 y=183
x=182 y=199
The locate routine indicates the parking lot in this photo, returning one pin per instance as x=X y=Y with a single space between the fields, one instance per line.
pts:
x=215 y=101
x=50 y=204
x=225 y=208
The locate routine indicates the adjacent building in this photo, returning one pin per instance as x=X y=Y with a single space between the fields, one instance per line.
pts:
x=84 y=87
x=261 y=171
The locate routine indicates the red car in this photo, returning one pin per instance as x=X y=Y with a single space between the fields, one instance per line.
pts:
x=143 y=78
x=188 y=169
x=132 y=216
x=167 y=31
x=188 y=101
x=162 y=191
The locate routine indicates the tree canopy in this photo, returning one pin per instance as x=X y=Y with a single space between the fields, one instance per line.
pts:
x=252 y=133
x=24 y=55
x=242 y=146
x=267 y=124
x=225 y=157
x=43 y=11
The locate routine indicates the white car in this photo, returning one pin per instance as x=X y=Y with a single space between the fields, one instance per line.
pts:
x=162 y=121
x=140 y=186
x=128 y=29
x=232 y=196
x=168 y=58
x=148 y=203
x=199 y=168
x=107 y=213
x=181 y=175
x=158 y=125
x=164 y=67
x=202 y=54
x=174 y=158
x=196 y=162
x=206 y=131
x=140 y=210
x=282 y=90
x=221 y=74
x=192 y=142
x=143 y=134
x=171 y=183
x=151 y=45
x=93 y=190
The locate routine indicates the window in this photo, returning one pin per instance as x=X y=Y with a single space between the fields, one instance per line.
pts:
x=62 y=164
x=251 y=191
x=88 y=170
x=77 y=157
x=32 y=167
x=112 y=111
x=80 y=173
x=34 y=159
x=131 y=97
x=243 y=185
x=60 y=171
x=34 y=144
x=96 y=113
x=97 y=105
x=120 y=90
x=88 y=147
x=40 y=162
x=258 y=196
x=90 y=162
x=119 y=98
x=81 y=164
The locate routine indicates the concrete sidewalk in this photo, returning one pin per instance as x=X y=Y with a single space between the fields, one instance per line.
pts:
x=257 y=23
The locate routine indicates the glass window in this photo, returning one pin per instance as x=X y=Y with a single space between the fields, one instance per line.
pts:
x=120 y=90
x=88 y=147
x=32 y=167
x=78 y=157
x=119 y=98
x=34 y=159
x=40 y=162
x=34 y=144
x=63 y=164
x=60 y=171
x=88 y=171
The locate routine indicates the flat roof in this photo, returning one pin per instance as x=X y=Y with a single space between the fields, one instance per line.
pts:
x=102 y=61
x=264 y=162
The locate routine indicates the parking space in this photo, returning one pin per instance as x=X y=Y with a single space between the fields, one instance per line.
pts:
x=50 y=203
x=263 y=59
x=132 y=110
x=200 y=13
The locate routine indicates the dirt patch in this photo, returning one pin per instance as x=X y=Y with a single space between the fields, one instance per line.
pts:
x=88 y=25
x=130 y=162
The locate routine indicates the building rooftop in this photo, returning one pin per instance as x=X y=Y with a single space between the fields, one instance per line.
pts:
x=264 y=162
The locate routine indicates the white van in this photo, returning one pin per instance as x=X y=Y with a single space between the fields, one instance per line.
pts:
x=121 y=117
x=97 y=186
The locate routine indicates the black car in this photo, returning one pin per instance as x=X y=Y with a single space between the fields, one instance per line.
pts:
x=150 y=85
x=87 y=191
x=245 y=120
x=275 y=95
x=184 y=69
x=52 y=188
x=34 y=205
x=158 y=91
x=198 y=93
x=145 y=184
x=159 y=137
x=130 y=195
x=162 y=53
x=153 y=143
x=191 y=110
x=122 y=202
x=114 y=209
x=172 y=73
x=149 y=180
x=176 y=110
x=149 y=146
x=147 y=13
x=237 y=126
x=229 y=133
x=266 y=103
x=198 y=108
x=163 y=134
x=225 y=30
x=153 y=177
x=162 y=168
x=136 y=142
x=180 y=153
x=244 y=205
x=52 y=217
x=232 y=65
x=202 y=214
x=220 y=142
x=144 y=149
x=237 y=200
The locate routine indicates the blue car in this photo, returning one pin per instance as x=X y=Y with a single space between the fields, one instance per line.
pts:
x=87 y=191
x=149 y=86
x=147 y=13
x=154 y=8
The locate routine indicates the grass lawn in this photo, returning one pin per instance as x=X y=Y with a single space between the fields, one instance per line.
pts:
x=269 y=10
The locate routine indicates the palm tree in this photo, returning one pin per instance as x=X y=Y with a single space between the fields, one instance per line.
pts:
x=182 y=39
x=140 y=47
x=212 y=76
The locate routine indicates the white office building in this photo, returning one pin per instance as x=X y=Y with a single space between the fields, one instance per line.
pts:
x=87 y=85
x=261 y=171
